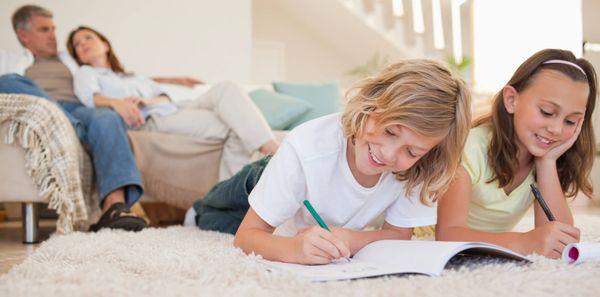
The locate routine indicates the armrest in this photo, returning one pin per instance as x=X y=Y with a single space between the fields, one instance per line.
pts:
x=55 y=160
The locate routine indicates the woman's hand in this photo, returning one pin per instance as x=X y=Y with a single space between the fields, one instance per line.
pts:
x=315 y=245
x=129 y=111
x=141 y=103
x=550 y=239
x=557 y=151
x=137 y=101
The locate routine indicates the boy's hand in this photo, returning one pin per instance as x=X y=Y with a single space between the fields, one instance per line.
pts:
x=550 y=239
x=316 y=245
x=347 y=236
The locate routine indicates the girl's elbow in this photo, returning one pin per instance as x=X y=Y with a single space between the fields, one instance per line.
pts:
x=442 y=234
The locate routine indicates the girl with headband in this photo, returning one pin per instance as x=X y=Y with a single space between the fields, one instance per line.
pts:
x=538 y=132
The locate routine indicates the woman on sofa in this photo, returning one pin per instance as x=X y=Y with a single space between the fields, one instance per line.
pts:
x=223 y=113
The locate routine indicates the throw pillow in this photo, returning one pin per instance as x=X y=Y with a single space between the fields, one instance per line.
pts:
x=325 y=97
x=280 y=110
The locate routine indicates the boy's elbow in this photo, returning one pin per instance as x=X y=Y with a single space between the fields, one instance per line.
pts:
x=237 y=241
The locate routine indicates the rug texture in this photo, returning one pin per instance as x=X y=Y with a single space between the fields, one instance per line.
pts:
x=185 y=261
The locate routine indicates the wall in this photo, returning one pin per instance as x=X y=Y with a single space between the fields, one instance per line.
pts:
x=591 y=23
x=308 y=56
x=507 y=32
x=207 y=39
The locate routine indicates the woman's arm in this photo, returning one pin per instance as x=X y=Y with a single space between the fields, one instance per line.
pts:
x=88 y=90
x=453 y=208
x=127 y=109
x=155 y=100
x=314 y=245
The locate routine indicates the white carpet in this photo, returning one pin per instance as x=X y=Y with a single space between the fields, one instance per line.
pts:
x=184 y=261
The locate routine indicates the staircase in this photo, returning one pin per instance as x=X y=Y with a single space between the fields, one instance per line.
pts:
x=360 y=29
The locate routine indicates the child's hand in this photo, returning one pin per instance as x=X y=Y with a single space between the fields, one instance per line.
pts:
x=346 y=235
x=550 y=239
x=557 y=151
x=316 y=245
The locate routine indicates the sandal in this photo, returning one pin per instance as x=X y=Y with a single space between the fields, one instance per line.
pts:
x=113 y=219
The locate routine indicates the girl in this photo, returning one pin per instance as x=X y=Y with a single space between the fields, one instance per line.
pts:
x=223 y=113
x=394 y=149
x=539 y=130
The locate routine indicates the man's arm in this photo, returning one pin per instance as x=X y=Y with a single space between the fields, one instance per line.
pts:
x=183 y=81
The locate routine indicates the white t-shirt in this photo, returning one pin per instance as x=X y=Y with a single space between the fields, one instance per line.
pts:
x=311 y=164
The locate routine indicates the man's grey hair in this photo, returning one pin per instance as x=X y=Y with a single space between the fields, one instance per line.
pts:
x=21 y=19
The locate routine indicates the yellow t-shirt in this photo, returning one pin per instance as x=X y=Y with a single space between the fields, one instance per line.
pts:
x=490 y=209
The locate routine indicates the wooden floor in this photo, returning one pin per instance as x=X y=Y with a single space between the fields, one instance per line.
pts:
x=13 y=251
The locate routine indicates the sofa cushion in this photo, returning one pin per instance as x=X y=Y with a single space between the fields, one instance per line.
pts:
x=280 y=110
x=324 y=97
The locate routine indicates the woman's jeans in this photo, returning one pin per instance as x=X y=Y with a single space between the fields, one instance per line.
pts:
x=225 y=206
x=102 y=131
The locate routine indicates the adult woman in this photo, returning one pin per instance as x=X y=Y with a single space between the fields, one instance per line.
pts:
x=223 y=113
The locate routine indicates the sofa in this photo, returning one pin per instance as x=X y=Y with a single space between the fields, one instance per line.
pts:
x=175 y=169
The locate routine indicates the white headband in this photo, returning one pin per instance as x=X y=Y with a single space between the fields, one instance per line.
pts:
x=566 y=63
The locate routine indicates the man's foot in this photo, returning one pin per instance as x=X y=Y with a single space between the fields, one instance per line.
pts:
x=118 y=216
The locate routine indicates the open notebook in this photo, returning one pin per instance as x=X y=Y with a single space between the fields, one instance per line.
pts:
x=394 y=257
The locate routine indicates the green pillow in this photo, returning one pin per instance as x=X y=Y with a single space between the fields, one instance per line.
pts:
x=324 y=97
x=280 y=110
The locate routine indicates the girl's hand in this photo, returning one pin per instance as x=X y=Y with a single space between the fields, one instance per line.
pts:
x=129 y=111
x=557 y=151
x=550 y=239
x=315 y=245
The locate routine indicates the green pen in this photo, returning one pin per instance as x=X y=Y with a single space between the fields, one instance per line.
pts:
x=316 y=215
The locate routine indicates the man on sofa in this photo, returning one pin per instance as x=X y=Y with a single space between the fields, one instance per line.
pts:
x=42 y=71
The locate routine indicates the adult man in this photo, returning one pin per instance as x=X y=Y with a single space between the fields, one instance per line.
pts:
x=118 y=180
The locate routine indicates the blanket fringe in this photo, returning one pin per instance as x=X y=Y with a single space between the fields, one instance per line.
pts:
x=39 y=166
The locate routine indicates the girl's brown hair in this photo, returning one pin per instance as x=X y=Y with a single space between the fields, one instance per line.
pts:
x=575 y=164
x=115 y=64
x=426 y=97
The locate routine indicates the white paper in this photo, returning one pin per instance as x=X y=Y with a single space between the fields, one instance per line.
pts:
x=393 y=257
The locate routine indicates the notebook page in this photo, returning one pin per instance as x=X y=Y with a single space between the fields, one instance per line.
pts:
x=338 y=270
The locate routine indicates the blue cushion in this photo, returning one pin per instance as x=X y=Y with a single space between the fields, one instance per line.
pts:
x=324 y=97
x=280 y=110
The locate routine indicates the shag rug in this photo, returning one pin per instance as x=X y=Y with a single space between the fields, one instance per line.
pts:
x=185 y=261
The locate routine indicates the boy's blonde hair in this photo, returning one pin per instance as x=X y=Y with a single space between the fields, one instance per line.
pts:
x=424 y=96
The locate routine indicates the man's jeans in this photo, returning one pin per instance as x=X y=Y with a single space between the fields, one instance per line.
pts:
x=225 y=206
x=103 y=131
